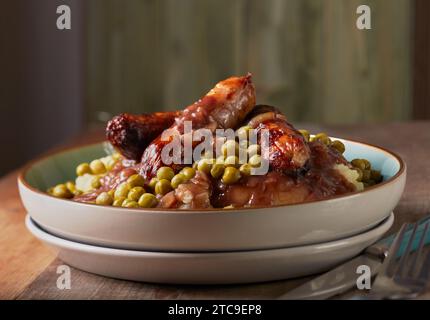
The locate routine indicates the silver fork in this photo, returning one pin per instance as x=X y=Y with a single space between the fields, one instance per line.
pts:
x=408 y=277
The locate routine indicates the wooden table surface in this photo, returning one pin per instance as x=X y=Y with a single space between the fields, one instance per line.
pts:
x=28 y=268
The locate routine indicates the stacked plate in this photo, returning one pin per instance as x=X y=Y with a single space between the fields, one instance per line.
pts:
x=210 y=246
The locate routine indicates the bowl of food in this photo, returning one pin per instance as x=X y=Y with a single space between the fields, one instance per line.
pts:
x=173 y=182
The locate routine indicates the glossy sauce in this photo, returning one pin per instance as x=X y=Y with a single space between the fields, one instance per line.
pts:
x=318 y=181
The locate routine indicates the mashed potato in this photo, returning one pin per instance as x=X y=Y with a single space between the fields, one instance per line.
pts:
x=350 y=175
x=85 y=182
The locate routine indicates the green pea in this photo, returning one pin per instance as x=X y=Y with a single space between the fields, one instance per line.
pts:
x=95 y=183
x=188 y=173
x=82 y=169
x=61 y=191
x=253 y=150
x=230 y=148
x=152 y=183
x=205 y=165
x=242 y=132
x=71 y=186
x=118 y=201
x=339 y=146
x=110 y=163
x=367 y=164
x=177 y=180
x=366 y=175
x=322 y=137
x=122 y=190
x=231 y=175
x=245 y=169
x=116 y=156
x=231 y=161
x=97 y=167
x=135 y=193
x=305 y=134
x=136 y=180
x=165 y=173
x=147 y=200
x=376 y=176
x=255 y=160
x=162 y=187
x=359 y=163
x=104 y=199
x=217 y=170
x=129 y=204
x=220 y=160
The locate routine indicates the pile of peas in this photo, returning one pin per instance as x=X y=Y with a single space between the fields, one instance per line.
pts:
x=64 y=190
x=227 y=166
x=132 y=193
x=366 y=174
x=324 y=138
x=96 y=168
x=129 y=194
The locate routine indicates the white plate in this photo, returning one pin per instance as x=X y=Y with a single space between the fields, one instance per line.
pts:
x=210 y=268
x=209 y=230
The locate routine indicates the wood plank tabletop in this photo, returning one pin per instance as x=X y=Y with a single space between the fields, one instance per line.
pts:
x=28 y=269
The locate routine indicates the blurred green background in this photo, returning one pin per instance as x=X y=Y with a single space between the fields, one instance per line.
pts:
x=307 y=57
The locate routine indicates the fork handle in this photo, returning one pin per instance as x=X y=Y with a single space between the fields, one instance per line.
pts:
x=378 y=250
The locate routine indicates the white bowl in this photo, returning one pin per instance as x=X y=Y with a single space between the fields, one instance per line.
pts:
x=209 y=230
x=210 y=268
